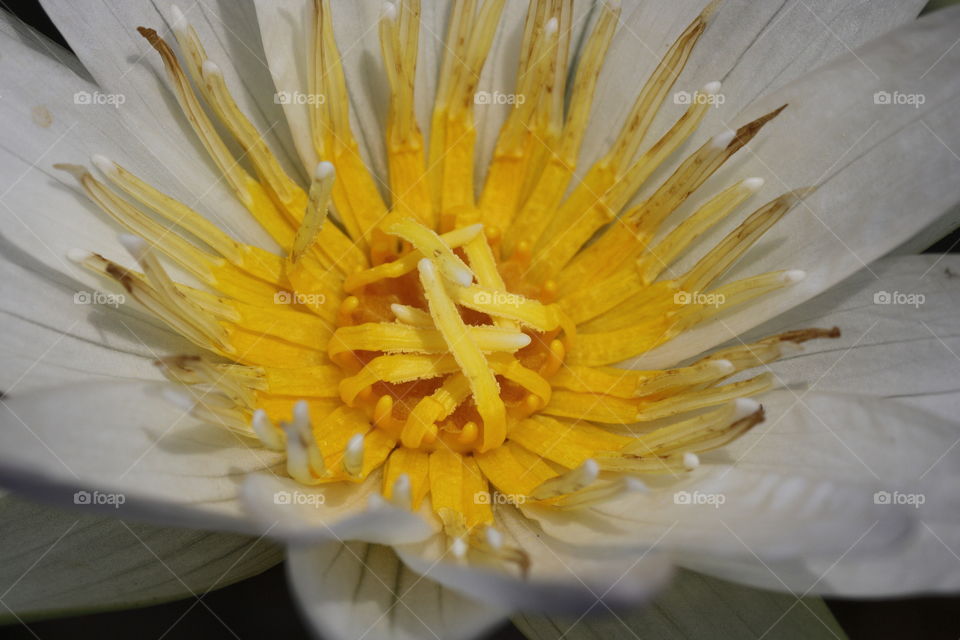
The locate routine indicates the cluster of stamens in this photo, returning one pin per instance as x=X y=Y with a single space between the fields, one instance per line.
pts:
x=457 y=345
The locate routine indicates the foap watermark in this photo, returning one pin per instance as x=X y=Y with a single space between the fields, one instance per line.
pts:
x=98 y=297
x=498 y=297
x=912 y=499
x=293 y=297
x=87 y=498
x=899 y=298
x=496 y=97
x=896 y=98
x=482 y=497
x=697 y=97
x=698 y=297
x=96 y=97
x=298 y=97
x=299 y=498
x=698 y=498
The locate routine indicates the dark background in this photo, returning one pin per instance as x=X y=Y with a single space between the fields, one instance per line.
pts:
x=263 y=606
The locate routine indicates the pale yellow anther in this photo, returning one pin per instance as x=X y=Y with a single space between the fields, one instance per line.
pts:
x=317 y=205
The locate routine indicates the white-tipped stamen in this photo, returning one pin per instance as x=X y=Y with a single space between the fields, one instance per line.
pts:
x=271 y=437
x=459 y=547
x=178 y=21
x=353 y=455
x=181 y=399
x=598 y=493
x=411 y=315
x=711 y=88
x=569 y=482
x=78 y=256
x=691 y=460
x=743 y=407
x=794 y=275
x=402 y=492
x=723 y=140
x=493 y=537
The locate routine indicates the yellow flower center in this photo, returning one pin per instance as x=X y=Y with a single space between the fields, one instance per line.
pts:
x=457 y=345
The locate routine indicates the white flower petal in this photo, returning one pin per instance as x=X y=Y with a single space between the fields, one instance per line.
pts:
x=56 y=563
x=901 y=335
x=360 y=590
x=752 y=46
x=565 y=578
x=58 y=330
x=104 y=36
x=836 y=436
x=338 y=511
x=125 y=438
x=873 y=162
x=734 y=512
x=916 y=457
x=146 y=133
x=43 y=211
x=696 y=606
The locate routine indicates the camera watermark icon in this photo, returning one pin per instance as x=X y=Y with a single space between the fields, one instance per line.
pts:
x=298 y=498
x=687 y=98
x=699 y=498
x=298 y=97
x=98 y=297
x=95 y=97
x=87 y=498
x=899 y=298
x=482 y=497
x=498 y=297
x=911 y=499
x=496 y=97
x=293 y=297
x=896 y=98
x=698 y=297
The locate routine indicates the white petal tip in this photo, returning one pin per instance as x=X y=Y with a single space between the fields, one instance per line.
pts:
x=691 y=460
x=711 y=88
x=614 y=5
x=552 y=26
x=136 y=245
x=324 y=170
x=794 y=275
x=104 y=164
x=78 y=255
x=389 y=11
x=634 y=485
x=458 y=547
x=722 y=140
x=753 y=184
x=743 y=407
x=210 y=68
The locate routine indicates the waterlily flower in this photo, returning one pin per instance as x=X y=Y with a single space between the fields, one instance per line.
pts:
x=487 y=307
